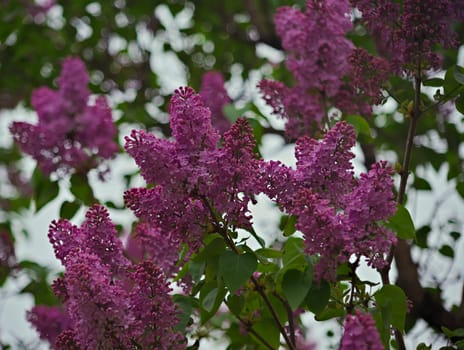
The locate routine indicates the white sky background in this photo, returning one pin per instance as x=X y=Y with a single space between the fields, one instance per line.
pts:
x=172 y=73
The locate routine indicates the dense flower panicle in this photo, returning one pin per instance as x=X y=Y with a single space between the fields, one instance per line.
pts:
x=157 y=246
x=235 y=181
x=71 y=134
x=67 y=340
x=360 y=333
x=323 y=230
x=318 y=56
x=407 y=32
x=97 y=234
x=49 y=321
x=98 y=305
x=325 y=165
x=215 y=97
x=372 y=200
x=153 y=156
x=316 y=43
x=109 y=302
x=339 y=215
x=304 y=112
x=191 y=122
x=154 y=315
x=367 y=75
x=196 y=175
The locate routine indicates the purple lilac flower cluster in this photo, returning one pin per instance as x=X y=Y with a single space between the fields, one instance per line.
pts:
x=322 y=59
x=71 y=134
x=194 y=181
x=215 y=97
x=318 y=58
x=338 y=214
x=406 y=32
x=360 y=333
x=108 y=302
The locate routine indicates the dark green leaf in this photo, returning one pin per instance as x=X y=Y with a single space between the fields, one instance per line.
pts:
x=458 y=74
x=435 y=82
x=422 y=236
x=423 y=346
x=81 y=189
x=460 y=188
x=360 y=125
x=44 y=189
x=455 y=235
x=392 y=299
x=460 y=103
x=330 y=312
x=287 y=225
x=69 y=209
x=459 y=332
x=185 y=308
x=236 y=269
x=296 y=284
x=268 y=330
x=318 y=297
x=421 y=184
x=402 y=223
x=447 y=250
x=269 y=253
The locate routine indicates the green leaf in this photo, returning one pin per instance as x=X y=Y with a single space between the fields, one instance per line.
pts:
x=318 y=297
x=459 y=332
x=458 y=74
x=422 y=236
x=268 y=330
x=460 y=188
x=269 y=253
x=453 y=81
x=447 y=250
x=185 y=308
x=81 y=189
x=423 y=346
x=435 y=82
x=460 y=103
x=296 y=284
x=44 y=189
x=330 y=312
x=402 y=223
x=69 y=209
x=455 y=235
x=210 y=299
x=287 y=225
x=236 y=269
x=421 y=184
x=293 y=254
x=360 y=125
x=391 y=301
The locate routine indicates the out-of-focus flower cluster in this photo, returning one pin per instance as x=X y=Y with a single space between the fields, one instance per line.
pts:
x=215 y=97
x=71 y=134
x=108 y=302
x=360 y=333
x=407 y=32
x=322 y=60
